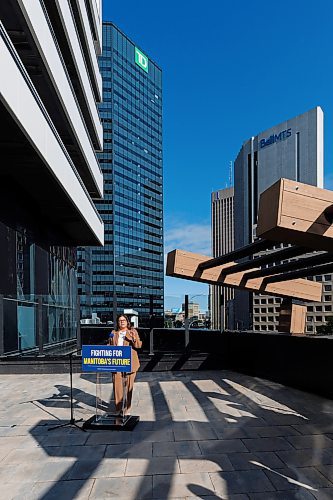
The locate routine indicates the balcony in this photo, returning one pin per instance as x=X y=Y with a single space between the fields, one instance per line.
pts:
x=37 y=174
x=33 y=37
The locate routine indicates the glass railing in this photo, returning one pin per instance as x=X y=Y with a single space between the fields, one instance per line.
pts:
x=35 y=323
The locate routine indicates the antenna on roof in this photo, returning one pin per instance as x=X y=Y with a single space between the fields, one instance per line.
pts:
x=230 y=173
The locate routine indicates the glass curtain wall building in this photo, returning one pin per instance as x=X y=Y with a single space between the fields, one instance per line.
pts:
x=128 y=272
x=292 y=149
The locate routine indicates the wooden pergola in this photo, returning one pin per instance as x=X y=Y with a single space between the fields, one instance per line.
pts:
x=291 y=213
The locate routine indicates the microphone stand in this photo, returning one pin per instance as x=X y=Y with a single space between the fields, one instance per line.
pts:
x=72 y=421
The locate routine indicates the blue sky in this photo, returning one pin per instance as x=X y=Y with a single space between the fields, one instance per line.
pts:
x=230 y=70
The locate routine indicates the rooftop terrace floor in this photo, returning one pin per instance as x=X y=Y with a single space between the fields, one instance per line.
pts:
x=212 y=434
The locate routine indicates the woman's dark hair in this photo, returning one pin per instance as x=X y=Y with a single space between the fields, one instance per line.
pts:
x=128 y=321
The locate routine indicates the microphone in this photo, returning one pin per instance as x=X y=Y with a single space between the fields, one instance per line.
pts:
x=111 y=335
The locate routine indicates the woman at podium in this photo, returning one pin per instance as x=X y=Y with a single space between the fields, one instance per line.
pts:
x=125 y=335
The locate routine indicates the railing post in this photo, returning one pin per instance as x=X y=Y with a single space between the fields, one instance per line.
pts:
x=2 y=339
x=186 y=323
x=39 y=326
x=78 y=324
x=151 y=342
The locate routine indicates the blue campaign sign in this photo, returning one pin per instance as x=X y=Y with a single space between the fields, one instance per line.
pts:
x=109 y=358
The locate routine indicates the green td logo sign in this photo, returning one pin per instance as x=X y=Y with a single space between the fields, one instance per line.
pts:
x=141 y=60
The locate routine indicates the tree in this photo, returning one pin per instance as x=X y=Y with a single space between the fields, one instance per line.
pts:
x=326 y=329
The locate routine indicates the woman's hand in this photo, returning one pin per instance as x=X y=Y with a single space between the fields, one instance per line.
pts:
x=134 y=336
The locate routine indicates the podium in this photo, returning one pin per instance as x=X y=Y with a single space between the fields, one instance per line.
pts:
x=109 y=363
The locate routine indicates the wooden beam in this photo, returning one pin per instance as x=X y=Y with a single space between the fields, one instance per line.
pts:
x=183 y=264
x=292 y=212
x=292 y=317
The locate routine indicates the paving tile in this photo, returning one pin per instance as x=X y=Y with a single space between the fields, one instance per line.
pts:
x=323 y=493
x=284 y=419
x=299 y=494
x=247 y=482
x=291 y=479
x=66 y=490
x=267 y=444
x=55 y=471
x=276 y=431
x=83 y=452
x=31 y=472
x=183 y=485
x=227 y=432
x=109 y=437
x=8 y=473
x=210 y=463
x=312 y=442
x=326 y=470
x=80 y=438
x=137 y=450
x=176 y=449
x=129 y=488
x=146 y=467
x=222 y=446
x=244 y=461
x=24 y=455
x=21 y=442
x=15 y=490
x=195 y=431
x=152 y=436
x=85 y=469
x=311 y=429
x=306 y=458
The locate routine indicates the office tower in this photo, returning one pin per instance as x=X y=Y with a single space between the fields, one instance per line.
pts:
x=49 y=85
x=222 y=212
x=128 y=272
x=294 y=150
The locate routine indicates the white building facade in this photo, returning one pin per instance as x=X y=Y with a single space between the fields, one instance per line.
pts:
x=49 y=88
x=222 y=232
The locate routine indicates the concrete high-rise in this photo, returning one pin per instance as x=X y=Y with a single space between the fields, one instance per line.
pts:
x=293 y=150
x=222 y=231
x=50 y=83
x=128 y=272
